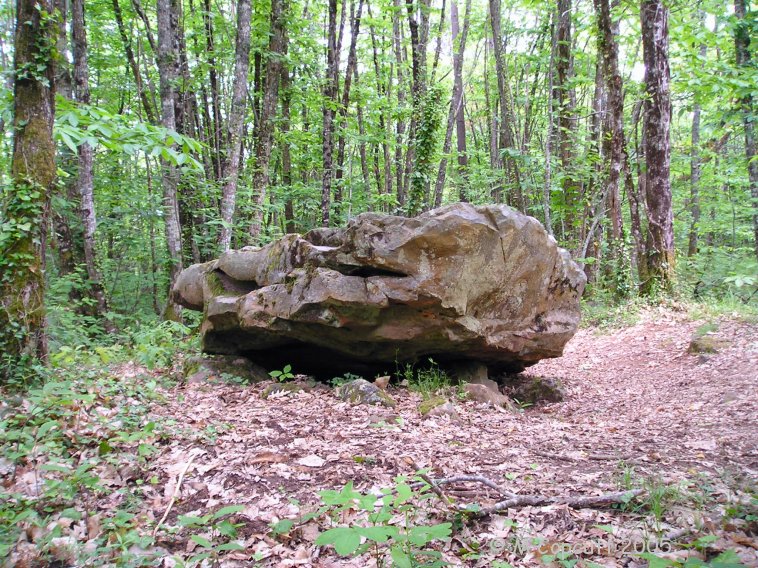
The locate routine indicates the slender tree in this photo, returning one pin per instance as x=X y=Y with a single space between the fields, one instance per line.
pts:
x=613 y=138
x=169 y=75
x=742 y=44
x=330 y=99
x=695 y=172
x=657 y=124
x=236 y=122
x=274 y=66
x=27 y=201
x=85 y=179
x=458 y=97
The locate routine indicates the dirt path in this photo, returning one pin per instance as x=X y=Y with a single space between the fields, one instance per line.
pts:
x=639 y=410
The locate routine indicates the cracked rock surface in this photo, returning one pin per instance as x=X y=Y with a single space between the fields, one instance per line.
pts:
x=458 y=283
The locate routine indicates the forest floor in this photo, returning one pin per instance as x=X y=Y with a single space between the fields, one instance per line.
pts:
x=640 y=412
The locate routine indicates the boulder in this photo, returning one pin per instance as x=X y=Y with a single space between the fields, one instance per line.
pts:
x=223 y=367
x=360 y=391
x=533 y=390
x=458 y=283
x=481 y=393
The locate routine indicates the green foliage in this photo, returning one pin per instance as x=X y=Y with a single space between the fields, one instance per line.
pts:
x=405 y=541
x=284 y=375
x=86 y=124
x=728 y=559
x=157 y=345
x=217 y=537
x=427 y=381
x=344 y=379
x=68 y=434
x=429 y=115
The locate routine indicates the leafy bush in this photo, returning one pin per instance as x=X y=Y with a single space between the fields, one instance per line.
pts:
x=392 y=529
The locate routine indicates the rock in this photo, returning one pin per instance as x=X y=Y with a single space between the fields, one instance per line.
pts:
x=467 y=371
x=482 y=393
x=472 y=372
x=223 y=367
x=279 y=389
x=462 y=282
x=706 y=344
x=447 y=409
x=382 y=382
x=360 y=391
x=426 y=406
x=64 y=549
x=537 y=389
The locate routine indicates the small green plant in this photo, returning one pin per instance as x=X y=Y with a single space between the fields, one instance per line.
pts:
x=344 y=379
x=157 y=345
x=216 y=536
x=284 y=375
x=391 y=529
x=426 y=381
x=728 y=559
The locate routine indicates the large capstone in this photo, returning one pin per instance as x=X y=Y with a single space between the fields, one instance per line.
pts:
x=459 y=283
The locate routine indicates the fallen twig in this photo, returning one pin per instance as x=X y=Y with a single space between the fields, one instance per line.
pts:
x=193 y=455
x=587 y=502
x=513 y=501
x=597 y=457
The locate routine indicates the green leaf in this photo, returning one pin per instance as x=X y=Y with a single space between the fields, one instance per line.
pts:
x=204 y=542
x=424 y=535
x=655 y=561
x=230 y=510
x=346 y=540
x=46 y=427
x=378 y=533
x=400 y=558
x=283 y=527
x=230 y=546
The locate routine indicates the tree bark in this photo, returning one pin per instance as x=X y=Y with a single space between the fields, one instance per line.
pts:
x=27 y=201
x=613 y=140
x=169 y=75
x=566 y=97
x=330 y=100
x=505 y=126
x=460 y=121
x=695 y=170
x=455 y=112
x=352 y=62
x=132 y=62
x=85 y=181
x=657 y=124
x=270 y=100
x=235 y=124
x=742 y=49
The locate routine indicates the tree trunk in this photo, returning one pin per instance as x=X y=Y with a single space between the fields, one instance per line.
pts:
x=85 y=182
x=505 y=128
x=742 y=49
x=330 y=99
x=235 y=124
x=169 y=75
x=274 y=60
x=143 y=95
x=660 y=253
x=455 y=112
x=566 y=97
x=695 y=170
x=352 y=62
x=460 y=122
x=27 y=201
x=613 y=139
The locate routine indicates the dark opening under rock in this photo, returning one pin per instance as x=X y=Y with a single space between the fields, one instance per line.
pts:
x=459 y=283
